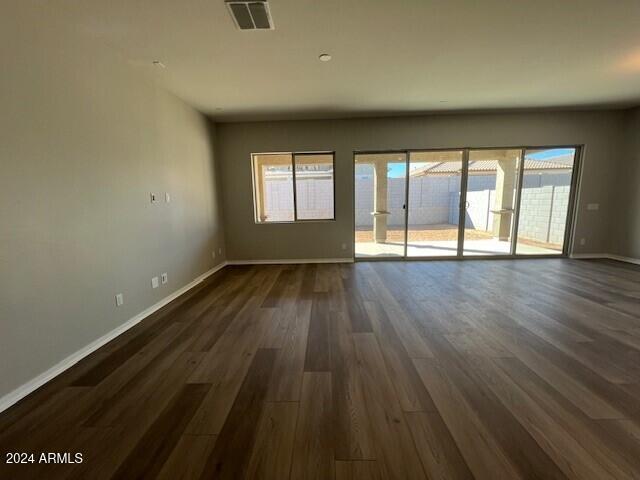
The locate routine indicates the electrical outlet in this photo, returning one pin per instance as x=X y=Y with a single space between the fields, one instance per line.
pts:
x=119 y=299
x=213 y=254
x=164 y=277
x=593 y=206
x=152 y=197
x=220 y=250
x=154 y=282
x=344 y=246
x=583 y=241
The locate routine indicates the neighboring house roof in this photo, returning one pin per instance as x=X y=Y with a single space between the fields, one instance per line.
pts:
x=562 y=163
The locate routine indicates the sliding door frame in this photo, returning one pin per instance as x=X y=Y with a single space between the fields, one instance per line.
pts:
x=569 y=221
x=398 y=151
x=462 y=207
x=572 y=210
x=406 y=203
x=516 y=210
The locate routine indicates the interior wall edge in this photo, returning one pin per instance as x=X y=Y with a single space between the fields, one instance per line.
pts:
x=624 y=223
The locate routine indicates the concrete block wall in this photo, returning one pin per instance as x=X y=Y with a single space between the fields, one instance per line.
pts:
x=479 y=205
x=428 y=200
x=278 y=205
x=479 y=182
x=432 y=200
x=559 y=215
x=535 y=210
x=543 y=213
x=314 y=196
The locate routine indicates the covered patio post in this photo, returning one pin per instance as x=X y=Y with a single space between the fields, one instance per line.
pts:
x=506 y=175
x=380 y=212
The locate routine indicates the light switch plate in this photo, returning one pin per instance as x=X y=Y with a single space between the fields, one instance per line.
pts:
x=152 y=197
x=165 y=278
x=154 y=282
x=119 y=299
x=167 y=197
x=593 y=206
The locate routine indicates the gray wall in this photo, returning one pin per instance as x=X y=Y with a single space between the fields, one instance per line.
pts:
x=83 y=140
x=600 y=131
x=626 y=216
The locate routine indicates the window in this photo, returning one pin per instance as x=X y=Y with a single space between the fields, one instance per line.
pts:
x=467 y=202
x=290 y=187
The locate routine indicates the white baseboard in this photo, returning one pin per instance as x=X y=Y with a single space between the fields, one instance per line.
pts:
x=620 y=258
x=609 y=256
x=588 y=255
x=290 y=261
x=12 y=397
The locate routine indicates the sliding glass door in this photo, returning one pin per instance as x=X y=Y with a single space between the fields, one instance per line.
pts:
x=545 y=200
x=490 y=201
x=435 y=184
x=499 y=202
x=380 y=204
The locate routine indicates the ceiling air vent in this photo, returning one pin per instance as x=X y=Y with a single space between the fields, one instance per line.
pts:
x=250 y=15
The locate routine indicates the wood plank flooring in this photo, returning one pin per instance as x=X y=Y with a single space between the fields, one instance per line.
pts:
x=443 y=370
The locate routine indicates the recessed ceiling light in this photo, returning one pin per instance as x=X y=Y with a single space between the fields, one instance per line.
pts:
x=325 y=57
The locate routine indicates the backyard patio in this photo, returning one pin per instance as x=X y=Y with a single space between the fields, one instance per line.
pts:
x=442 y=240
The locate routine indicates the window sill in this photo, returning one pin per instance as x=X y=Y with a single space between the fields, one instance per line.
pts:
x=328 y=220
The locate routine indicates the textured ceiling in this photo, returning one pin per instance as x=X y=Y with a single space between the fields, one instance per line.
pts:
x=389 y=57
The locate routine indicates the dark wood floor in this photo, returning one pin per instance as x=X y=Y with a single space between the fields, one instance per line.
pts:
x=485 y=369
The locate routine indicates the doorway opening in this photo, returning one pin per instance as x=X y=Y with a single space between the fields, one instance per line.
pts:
x=496 y=202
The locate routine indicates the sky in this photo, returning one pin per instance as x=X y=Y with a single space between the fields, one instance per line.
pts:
x=550 y=153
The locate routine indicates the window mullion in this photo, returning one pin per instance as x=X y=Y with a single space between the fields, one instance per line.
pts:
x=295 y=203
